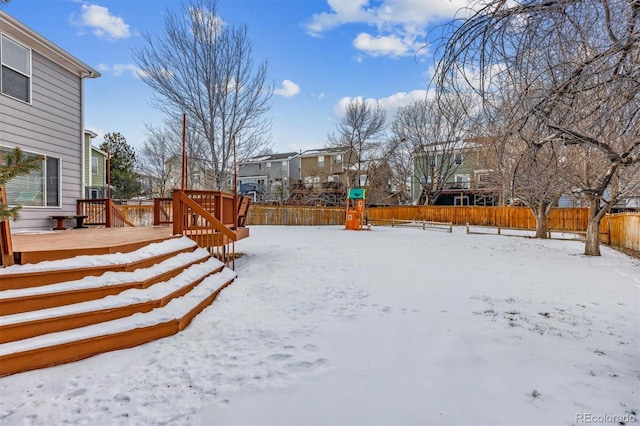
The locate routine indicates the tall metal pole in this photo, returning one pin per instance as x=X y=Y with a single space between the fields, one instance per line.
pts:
x=235 y=184
x=108 y=174
x=184 y=151
x=235 y=167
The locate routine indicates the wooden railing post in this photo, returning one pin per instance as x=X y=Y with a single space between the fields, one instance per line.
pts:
x=156 y=212
x=6 y=245
x=107 y=213
x=177 y=213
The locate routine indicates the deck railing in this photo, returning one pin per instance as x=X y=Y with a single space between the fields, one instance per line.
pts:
x=6 y=245
x=102 y=212
x=207 y=217
x=162 y=211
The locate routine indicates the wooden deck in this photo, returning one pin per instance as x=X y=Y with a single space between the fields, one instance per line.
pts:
x=52 y=245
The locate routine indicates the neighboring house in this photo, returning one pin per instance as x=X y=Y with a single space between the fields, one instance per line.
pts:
x=198 y=177
x=95 y=169
x=376 y=178
x=451 y=174
x=327 y=165
x=269 y=177
x=41 y=98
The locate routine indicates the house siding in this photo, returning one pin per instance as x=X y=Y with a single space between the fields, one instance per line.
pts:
x=50 y=125
x=99 y=179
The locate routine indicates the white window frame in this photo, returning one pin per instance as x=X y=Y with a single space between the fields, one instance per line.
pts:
x=321 y=161
x=458 y=158
x=463 y=178
x=28 y=75
x=461 y=200
x=94 y=165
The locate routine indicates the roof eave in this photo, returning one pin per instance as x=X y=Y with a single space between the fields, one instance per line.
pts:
x=42 y=45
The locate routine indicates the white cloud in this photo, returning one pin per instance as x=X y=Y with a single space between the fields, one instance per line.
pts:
x=102 y=23
x=400 y=24
x=390 y=103
x=119 y=69
x=342 y=12
x=288 y=89
x=381 y=46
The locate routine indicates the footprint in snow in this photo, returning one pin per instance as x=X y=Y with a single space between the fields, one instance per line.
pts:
x=279 y=357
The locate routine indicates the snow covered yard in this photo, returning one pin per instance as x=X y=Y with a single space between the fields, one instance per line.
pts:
x=393 y=326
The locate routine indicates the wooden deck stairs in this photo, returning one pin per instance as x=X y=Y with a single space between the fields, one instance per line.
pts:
x=59 y=311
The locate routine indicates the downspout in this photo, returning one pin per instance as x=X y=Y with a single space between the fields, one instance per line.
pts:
x=83 y=164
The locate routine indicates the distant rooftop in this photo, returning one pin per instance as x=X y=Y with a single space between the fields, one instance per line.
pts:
x=270 y=157
x=320 y=151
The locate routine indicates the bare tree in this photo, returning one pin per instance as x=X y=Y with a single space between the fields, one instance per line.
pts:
x=400 y=160
x=157 y=163
x=433 y=133
x=529 y=173
x=361 y=129
x=575 y=67
x=203 y=67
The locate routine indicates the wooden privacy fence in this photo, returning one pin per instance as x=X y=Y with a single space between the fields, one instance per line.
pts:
x=295 y=215
x=507 y=217
x=623 y=228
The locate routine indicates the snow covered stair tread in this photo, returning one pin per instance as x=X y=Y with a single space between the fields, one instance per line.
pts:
x=150 y=250
x=92 y=287
x=120 y=333
x=48 y=272
x=29 y=324
x=111 y=278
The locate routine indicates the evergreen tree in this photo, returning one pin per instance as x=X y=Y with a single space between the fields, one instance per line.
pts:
x=124 y=180
x=15 y=164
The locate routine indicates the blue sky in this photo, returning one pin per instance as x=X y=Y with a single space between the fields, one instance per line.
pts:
x=320 y=53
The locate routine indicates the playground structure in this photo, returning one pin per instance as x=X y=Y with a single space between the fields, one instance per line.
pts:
x=355 y=209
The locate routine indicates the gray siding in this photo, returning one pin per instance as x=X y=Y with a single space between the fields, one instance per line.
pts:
x=50 y=125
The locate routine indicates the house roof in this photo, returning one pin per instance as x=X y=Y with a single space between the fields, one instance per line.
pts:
x=453 y=145
x=270 y=157
x=25 y=35
x=98 y=150
x=325 y=151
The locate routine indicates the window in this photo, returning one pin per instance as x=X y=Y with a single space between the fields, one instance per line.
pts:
x=268 y=163
x=284 y=164
x=458 y=158
x=94 y=165
x=38 y=188
x=337 y=159
x=432 y=160
x=461 y=200
x=16 y=70
x=321 y=161
x=462 y=181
